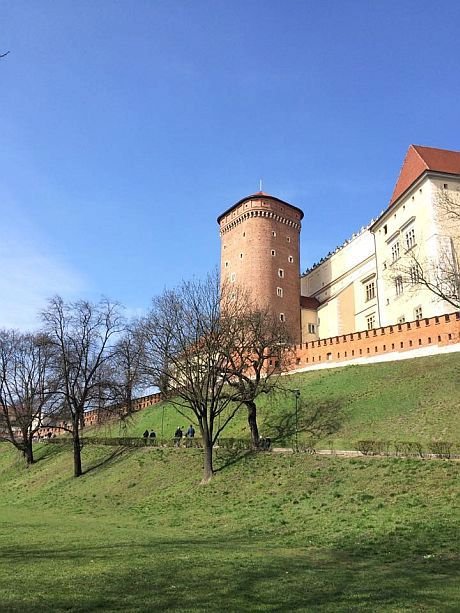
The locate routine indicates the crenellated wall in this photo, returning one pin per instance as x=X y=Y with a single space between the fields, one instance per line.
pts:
x=434 y=331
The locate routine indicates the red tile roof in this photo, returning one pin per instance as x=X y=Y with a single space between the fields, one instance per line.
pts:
x=309 y=303
x=421 y=159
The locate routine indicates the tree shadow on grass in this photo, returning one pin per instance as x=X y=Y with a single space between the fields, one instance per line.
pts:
x=237 y=574
x=228 y=457
x=313 y=421
x=47 y=451
x=112 y=458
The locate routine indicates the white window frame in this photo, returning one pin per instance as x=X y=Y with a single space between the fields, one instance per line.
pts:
x=370 y=290
x=409 y=238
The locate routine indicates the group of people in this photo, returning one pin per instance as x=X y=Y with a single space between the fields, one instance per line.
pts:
x=178 y=434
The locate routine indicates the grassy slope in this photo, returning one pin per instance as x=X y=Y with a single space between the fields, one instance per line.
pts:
x=410 y=400
x=271 y=532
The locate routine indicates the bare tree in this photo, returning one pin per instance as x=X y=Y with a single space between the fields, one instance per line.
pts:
x=83 y=335
x=188 y=337
x=127 y=375
x=27 y=388
x=260 y=353
x=440 y=273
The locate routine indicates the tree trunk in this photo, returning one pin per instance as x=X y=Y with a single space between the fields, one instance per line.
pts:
x=29 y=453
x=77 y=469
x=207 y=468
x=252 y=421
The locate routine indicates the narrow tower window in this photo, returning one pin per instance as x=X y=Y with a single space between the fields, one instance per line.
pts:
x=279 y=292
x=273 y=252
x=282 y=318
x=290 y=259
x=274 y=234
x=280 y=273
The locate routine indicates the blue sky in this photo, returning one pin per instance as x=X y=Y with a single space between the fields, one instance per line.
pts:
x=127 y=126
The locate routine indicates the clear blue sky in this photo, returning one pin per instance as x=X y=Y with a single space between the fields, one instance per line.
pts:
x=126 y=128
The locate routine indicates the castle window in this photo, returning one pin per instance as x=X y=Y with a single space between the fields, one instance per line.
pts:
x=226 y=264
x=446 y=186
x=282 y=318
x=401 y=319
x=410 y=238
x=399 y=287
x=233 y=277
x=288 y=238
x=370 y=290
x=280 y=273
x=395 y=251
x=385 y=229
x=279 y=292
x=244 y=234
x=414 y=272
x=418 y=312
x=311 y=329
x=290 y=259
x=370 y=320
x=273 y=252
x=241 y=255
x=274 y=234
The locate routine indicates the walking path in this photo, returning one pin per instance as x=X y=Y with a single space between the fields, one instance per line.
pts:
x=358 y=454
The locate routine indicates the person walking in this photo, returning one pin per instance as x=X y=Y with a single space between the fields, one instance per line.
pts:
x=178 y=434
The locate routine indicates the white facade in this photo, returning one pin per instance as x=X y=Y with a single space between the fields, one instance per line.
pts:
x=371 y=280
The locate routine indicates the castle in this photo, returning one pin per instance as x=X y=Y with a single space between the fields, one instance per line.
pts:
x=373 y=279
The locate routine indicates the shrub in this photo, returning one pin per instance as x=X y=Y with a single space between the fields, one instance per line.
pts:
x=409 y=448
x=372 y=447
x=441 y=448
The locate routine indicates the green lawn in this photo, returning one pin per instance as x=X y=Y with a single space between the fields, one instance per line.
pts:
x=271 y=532
x=414 y=399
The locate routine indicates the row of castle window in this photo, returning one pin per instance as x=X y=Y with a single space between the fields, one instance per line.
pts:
x=288 y=238
x=290 y=258
x=418 y=314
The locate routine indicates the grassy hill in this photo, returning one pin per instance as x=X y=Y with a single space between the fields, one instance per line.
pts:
x=414 y=399
x=270 y=533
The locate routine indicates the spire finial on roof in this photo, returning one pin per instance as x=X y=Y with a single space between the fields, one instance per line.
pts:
x=260 y=185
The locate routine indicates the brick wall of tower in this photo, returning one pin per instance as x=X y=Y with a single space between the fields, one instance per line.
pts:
x=260 y=238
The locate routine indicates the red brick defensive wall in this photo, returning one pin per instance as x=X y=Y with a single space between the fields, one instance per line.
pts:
x=432 y=332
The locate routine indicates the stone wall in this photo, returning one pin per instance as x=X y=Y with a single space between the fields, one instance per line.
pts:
x=435 y=331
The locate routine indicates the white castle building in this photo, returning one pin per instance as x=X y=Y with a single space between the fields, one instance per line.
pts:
x=372 y=280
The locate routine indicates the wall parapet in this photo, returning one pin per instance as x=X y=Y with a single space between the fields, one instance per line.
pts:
x=440 y=330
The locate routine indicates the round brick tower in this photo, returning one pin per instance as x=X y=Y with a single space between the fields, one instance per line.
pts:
x=260 y=251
